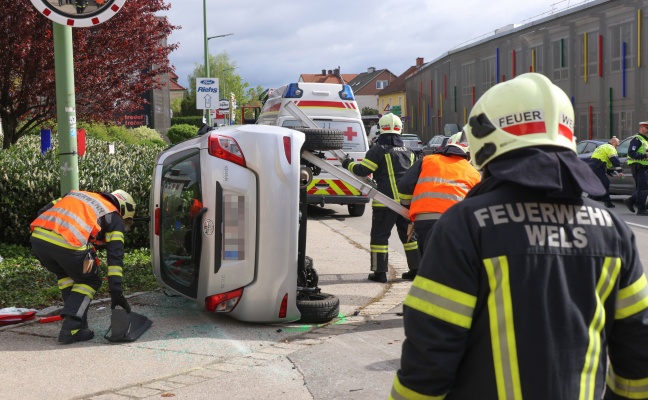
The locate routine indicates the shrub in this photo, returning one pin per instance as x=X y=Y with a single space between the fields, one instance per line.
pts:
x=181 y=132
x=25 y=283
x=30 y=180
x=195 y=120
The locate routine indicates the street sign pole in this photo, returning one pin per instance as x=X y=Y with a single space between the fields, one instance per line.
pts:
x=66 y=107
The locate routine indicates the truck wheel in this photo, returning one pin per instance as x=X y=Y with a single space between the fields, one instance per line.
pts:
x=356 y=210
x=317 y=307
x=322 y=139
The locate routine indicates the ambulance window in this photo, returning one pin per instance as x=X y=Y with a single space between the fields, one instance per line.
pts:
x=181 y=201
x=355 y=138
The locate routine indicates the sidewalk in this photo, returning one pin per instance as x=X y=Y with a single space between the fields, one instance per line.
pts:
x=190 y=354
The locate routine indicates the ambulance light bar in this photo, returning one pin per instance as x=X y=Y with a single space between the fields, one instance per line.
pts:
x=294 y=92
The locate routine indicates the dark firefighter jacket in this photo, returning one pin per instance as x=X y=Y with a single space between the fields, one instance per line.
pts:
x=532 y=288
x=108 y=228
x=388 y=161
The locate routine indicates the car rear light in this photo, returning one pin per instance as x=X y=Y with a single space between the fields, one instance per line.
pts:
x=288 y=149
x=157 y=221
x=226 y=148
x=224 y=302
x=284 y=306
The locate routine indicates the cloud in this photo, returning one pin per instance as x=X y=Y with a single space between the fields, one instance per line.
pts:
x=274 y=42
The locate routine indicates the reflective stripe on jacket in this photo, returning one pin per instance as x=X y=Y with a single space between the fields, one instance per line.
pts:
x=443 y=181
x=75 y=217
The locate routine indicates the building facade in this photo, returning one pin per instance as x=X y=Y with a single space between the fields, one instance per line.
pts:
x=595 y=52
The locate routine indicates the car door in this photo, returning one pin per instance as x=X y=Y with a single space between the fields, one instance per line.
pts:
x=623 y=185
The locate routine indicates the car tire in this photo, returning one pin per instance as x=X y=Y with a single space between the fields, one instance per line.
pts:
x=356 y=210
x=322 y=139
x=317 y=307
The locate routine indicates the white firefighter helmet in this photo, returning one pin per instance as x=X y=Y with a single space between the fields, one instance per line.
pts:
x=390 y=123
x=126 y=203
x=460 y=141
x=527 y=111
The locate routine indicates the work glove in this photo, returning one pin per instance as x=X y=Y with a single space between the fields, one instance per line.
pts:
x=346 y=162
x=118 y=299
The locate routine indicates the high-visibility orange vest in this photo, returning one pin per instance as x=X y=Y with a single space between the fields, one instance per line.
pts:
x=75 y=217
x=443 y=182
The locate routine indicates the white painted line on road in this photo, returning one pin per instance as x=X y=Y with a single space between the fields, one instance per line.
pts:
x=637 y=225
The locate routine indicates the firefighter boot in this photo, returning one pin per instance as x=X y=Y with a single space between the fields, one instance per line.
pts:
x=413 y=260
x=379 y=264
x=72 y=331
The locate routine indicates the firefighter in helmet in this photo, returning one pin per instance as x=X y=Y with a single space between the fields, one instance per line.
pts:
x=528 y=289
x=64 y=236
x=388 y=161
x=435 y=183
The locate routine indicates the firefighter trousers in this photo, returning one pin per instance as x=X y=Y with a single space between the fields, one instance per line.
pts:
x=383 y=220
x=77 y=288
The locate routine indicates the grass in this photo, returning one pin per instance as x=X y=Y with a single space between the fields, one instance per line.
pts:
x=24 y=283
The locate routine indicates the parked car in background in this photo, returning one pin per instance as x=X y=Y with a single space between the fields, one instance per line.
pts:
x=412 y=142
x=618 y=185
x=437 y=143
x=623 y=185
x=585 y=148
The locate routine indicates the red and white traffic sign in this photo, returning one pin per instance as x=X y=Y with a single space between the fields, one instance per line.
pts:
x=82 y=16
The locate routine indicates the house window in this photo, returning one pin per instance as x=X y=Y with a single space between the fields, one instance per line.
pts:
x=620 y=34
x=559 y=60
x=622 y=124
x=489 y=71
x=467 y=78
x=592 y=54
x=400 y=100
x=381 y=84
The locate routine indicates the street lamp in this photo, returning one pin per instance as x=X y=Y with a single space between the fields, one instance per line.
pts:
x=208 y=119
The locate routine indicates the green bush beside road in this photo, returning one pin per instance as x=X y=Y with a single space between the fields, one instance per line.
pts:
x=24 y=283
x=29 y=180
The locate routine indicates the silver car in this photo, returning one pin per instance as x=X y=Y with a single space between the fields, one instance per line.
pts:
x=225 y=231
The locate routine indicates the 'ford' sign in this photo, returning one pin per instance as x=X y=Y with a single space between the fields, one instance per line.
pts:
x=207 y=82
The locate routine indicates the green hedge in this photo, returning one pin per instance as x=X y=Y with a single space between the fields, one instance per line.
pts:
x=24 y=283
x=181 y=132
x=194 y=120
x=30 y=180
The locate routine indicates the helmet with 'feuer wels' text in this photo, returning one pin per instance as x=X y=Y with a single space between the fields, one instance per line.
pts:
x=126 y=203
x=527 y=111
x=390 y=123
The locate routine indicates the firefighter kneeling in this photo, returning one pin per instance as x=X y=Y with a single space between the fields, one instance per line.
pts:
x=64 y=236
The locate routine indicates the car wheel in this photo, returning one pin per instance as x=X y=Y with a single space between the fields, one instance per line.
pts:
x=317 y=307
x=322 y=139
x=356 y=210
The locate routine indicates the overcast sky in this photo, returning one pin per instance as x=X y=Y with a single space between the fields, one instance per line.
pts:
x=276 y=41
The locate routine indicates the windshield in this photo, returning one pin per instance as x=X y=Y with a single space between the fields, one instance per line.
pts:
x=354 y=135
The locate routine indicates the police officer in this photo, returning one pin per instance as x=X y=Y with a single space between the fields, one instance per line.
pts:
x=604 y=161
x=434 y=184
x=527 y=289
x=63 y=238
x=387 y=161
x=638 y=163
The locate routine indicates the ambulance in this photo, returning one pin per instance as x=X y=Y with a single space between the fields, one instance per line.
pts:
x=329 y=106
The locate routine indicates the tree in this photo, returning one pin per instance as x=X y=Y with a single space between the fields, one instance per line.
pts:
x=369 y=111
x=114 y=64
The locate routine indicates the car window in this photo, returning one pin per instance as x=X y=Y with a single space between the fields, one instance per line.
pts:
x=622 y=150
x=591 y=146
x=580 y=147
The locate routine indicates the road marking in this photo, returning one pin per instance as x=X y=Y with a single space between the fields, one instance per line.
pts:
x=637 y=225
